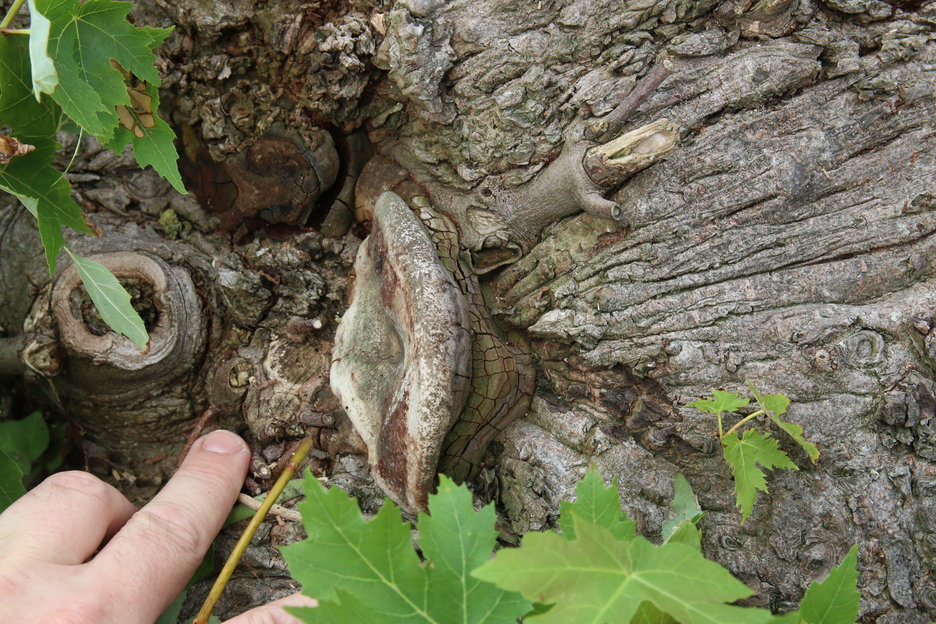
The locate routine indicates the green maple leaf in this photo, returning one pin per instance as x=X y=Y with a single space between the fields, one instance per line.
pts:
x=743 y=455
x=687 y=534
x=32 y=177
x=44 y=76
x=775 y=405
x=648 y=614
x=455 y=540
x=24 y=440
x=347 y=558
x=598 y=505
x=83 y=37
x=344 y=609
x=597 y=578
x=835 y=600
x=34 y=180
x=684 y=510
x=11 y=480
x=156 y=147
x=721 y=401
x=796 y=432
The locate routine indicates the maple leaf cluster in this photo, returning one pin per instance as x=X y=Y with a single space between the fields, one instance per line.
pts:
x=85 y=64
x=596 y=571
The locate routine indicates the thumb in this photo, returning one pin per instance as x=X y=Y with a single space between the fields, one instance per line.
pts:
x=273 y=613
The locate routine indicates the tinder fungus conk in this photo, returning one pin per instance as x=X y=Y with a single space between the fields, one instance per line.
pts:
x=402 y=353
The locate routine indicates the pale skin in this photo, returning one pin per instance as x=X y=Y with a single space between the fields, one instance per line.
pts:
x=73 y=550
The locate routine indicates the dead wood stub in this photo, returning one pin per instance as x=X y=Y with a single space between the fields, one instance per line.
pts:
x=174 y=340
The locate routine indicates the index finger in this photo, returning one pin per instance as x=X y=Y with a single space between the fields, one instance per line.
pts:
x=147 y=563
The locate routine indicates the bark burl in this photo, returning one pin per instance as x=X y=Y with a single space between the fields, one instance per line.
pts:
x=787 y=241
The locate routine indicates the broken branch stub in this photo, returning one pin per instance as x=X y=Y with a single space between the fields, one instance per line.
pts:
x=401 y=360
x=580 y=177
x=613 y=162
x=176 y=337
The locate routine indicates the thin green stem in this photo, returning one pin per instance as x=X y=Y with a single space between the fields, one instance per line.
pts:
x=744 y=420
x=14 y=31
x=721 y=431
x=74 y=153
x=14 y=9
x=225 y=575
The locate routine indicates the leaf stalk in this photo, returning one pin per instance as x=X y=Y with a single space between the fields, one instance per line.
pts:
x=14 y=9
x=741 y=422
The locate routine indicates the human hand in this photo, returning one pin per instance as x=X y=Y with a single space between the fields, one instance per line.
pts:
x=48 y=537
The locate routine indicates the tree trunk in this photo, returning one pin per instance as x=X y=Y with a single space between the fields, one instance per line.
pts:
x=777 y=229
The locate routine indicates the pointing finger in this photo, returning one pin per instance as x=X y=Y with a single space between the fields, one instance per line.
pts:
x=149 y=561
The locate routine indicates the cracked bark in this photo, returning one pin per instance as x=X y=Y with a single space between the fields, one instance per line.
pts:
x=787 y=241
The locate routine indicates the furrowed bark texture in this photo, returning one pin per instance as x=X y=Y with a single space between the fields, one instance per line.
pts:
x=789 y=245
x=787 y=241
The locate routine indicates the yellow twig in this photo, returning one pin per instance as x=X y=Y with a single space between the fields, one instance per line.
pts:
x=225 y=575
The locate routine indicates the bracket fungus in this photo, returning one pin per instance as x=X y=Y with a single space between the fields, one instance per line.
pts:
x=418 y=366
x=401 y=356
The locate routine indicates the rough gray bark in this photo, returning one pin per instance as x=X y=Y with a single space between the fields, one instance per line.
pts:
x=789 y=245
x=788 y=241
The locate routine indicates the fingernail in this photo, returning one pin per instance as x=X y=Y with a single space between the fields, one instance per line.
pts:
x=222 y=442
